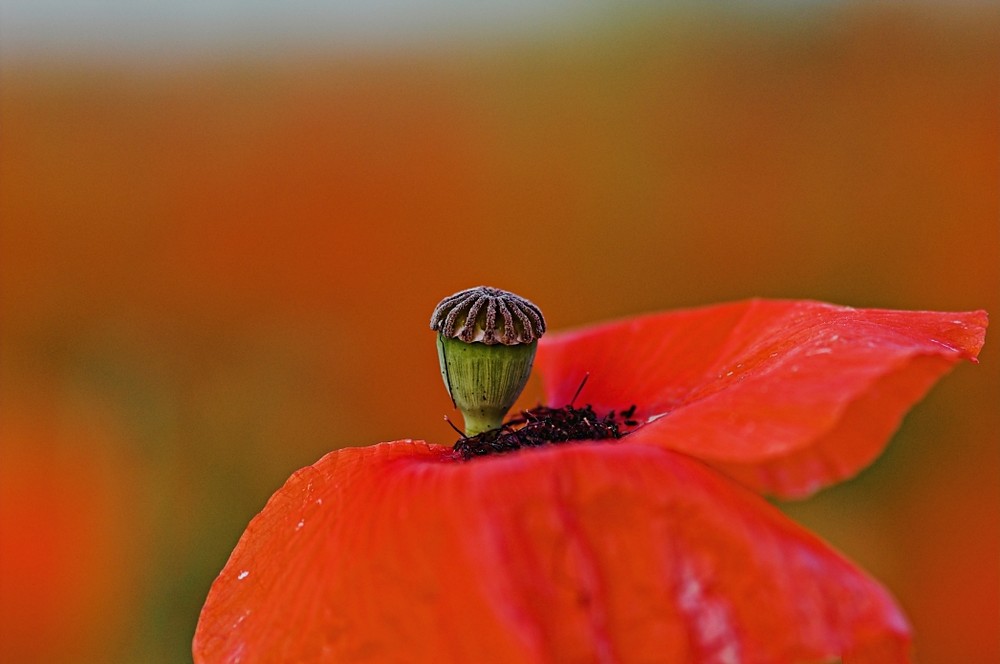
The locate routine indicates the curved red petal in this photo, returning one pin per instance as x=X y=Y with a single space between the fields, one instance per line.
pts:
x=584 y=552
x=786 y=396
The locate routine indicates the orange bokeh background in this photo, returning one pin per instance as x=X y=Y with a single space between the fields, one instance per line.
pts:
x=213 y=270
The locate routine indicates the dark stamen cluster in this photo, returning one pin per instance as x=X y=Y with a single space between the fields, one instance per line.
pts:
x=546 y=426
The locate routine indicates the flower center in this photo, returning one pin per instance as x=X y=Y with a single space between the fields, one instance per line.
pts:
x=542 y=426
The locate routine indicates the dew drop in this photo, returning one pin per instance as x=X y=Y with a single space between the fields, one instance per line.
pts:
x=299 y=525
x=653 y=418
x=819 y=351
x=242 y=575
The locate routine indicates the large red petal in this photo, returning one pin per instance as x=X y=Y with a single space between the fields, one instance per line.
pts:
x=577 y=553
x=786 y=396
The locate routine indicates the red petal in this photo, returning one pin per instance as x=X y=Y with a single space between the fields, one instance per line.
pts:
x=586 y=552
x=785 y=396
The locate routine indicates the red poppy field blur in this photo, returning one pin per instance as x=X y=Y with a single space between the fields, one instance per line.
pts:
x=217 y=264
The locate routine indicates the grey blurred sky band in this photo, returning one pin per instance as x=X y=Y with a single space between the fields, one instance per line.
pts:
x=174 y=26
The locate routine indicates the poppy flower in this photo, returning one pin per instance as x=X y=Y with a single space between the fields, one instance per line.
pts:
x=654 y=547
x=70 y=561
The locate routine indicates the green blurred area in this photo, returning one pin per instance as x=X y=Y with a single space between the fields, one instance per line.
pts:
x=213 y=271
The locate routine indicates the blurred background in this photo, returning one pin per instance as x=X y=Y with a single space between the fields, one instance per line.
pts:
x=223 y=227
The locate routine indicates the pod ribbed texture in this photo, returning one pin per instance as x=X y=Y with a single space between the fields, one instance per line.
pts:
x=488 y=315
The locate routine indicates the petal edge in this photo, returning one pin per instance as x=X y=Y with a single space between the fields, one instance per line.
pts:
x=765 y=389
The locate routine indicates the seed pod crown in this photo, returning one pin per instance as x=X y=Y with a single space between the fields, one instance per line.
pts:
x=488 y=315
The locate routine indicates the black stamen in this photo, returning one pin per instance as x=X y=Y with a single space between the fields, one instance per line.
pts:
x=545 y=426
x=452 y=425
x=579 y=389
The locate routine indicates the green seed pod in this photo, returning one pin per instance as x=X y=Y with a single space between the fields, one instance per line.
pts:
x=486 y=344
